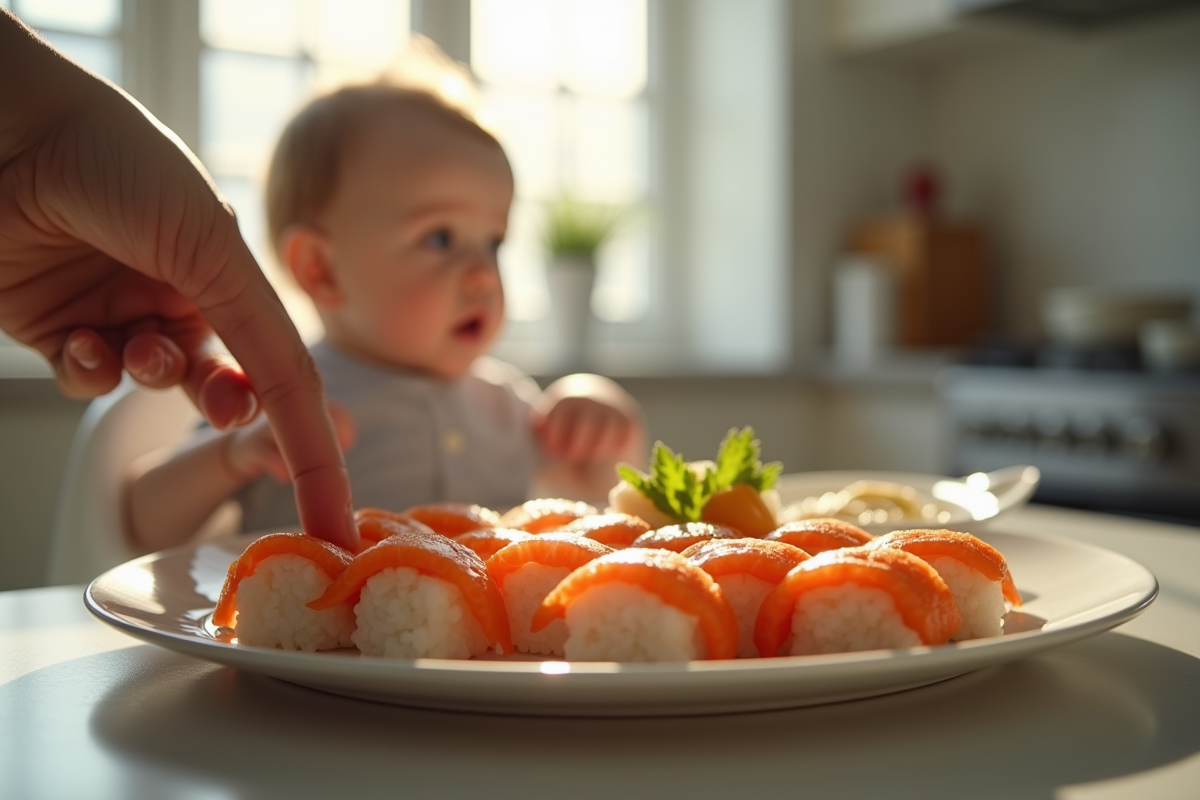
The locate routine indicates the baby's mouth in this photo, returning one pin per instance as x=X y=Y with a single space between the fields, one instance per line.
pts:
x=471 y=328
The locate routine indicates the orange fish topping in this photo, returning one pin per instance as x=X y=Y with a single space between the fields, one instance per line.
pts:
x=545 y=514
x=451 y=519
x=669 y=576
x=434 y=555
x=374 y=526
x=678 y=538
x=921 y=597
x=768 y=561
x=820 y=534
x=550 y=550
x=332 y=559
x=614 y=530
x=970 y=550
x=487 y=541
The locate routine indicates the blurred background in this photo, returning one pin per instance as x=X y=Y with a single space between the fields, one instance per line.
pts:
x=907 y=235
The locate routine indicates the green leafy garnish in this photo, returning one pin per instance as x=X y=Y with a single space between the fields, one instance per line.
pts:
x=675 y=489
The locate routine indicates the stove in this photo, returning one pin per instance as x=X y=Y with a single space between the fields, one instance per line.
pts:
x=1119 y=439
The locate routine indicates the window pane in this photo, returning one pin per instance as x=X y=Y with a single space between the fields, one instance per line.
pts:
x=516 y=43
x=259 y=26
x=522 y=264
x=98 y=17
x=606 y=52
x=368 y=33
x=101 y=56
x=622 y=292
x=607 y=150
x=245 y=100
x=526 y=123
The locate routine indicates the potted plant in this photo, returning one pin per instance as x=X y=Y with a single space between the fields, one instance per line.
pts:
x=572 y=235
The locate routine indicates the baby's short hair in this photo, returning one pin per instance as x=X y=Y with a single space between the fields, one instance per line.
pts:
x=308 y=158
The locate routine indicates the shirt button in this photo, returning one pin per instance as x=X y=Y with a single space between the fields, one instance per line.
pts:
x=453 y=442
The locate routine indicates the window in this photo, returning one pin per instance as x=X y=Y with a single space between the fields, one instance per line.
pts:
x=679 y=109
x=88 y=31
x=564 y=84
x=260 y=60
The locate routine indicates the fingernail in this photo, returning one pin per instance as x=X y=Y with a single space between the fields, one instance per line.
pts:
x=84 y=351
x=249 y=412
x=156 y=367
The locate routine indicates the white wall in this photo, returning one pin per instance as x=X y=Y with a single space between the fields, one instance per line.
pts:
x=857 y=126
x=1082 y=157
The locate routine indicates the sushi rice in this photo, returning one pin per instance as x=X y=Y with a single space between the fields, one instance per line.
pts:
x=271 y=610
x=617 y=621
x=404 y=614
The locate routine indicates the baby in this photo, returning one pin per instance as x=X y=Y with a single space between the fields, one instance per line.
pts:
x=388 y=206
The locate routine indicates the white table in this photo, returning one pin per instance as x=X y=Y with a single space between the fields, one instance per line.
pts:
x=87 y=712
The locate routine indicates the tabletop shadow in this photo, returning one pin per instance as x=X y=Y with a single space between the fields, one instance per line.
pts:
x=1106 y=707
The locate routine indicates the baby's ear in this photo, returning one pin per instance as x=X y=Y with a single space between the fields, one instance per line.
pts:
x=306 y=254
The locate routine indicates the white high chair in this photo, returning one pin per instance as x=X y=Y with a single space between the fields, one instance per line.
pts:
x=88 y=533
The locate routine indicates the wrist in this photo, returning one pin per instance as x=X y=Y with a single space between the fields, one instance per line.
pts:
x=235 y=468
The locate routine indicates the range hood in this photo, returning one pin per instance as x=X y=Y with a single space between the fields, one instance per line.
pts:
x=1071 y=13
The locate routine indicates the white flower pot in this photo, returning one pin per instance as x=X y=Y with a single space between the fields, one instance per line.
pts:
x=571 y=280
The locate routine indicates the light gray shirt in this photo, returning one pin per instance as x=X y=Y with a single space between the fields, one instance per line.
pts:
x=419 y=439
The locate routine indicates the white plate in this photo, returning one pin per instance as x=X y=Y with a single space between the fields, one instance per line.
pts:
x=1071 y=590
x=965 y=503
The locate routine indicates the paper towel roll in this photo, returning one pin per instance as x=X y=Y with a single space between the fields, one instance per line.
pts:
x=864 y=310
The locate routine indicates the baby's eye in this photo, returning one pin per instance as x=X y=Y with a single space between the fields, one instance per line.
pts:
x=439 y=239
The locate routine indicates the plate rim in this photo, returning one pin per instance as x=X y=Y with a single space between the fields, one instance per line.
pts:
x=412 y=679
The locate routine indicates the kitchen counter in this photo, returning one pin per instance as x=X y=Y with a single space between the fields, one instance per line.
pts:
x=86 y=711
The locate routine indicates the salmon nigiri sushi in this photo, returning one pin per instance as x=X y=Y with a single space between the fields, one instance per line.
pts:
x=860 y=598
x=615 y=529
x=486 y=541
x=976 y=573
x=418 y=594
x=746 y=570
x=545 y=514
x=375 y=525
x=678 y=538
x=819 y=534
x=527 y=571
x=452 y=519
x=641 y=605
x=267 y=589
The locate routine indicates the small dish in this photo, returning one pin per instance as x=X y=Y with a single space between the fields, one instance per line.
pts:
x=931 y=500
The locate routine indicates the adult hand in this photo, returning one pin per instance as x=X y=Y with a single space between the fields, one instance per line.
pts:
x=116 y=253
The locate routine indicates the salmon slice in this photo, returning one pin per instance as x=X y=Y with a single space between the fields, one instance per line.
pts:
x=486 y=541
x=820 y=534
x=740 y=507
x=329 y=557
x=614 y=530
x=437 y=556
x=678 y=538
x=921 y=597
x=549 y=550
x=451 y=519
x=766 y=560
x=545 y=514
x=375 y=526
x=669 y=576
x=970 y=550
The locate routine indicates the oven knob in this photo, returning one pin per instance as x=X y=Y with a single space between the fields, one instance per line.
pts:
x=1144 y=439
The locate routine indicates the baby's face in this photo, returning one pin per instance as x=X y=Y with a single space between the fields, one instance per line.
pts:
x=413 y=230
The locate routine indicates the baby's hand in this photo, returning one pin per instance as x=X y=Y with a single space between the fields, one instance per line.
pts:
x=252 y=451
x=585 y=418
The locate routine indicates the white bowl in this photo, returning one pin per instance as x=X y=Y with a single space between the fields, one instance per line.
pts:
x=1089 y=316
x=964 y=504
